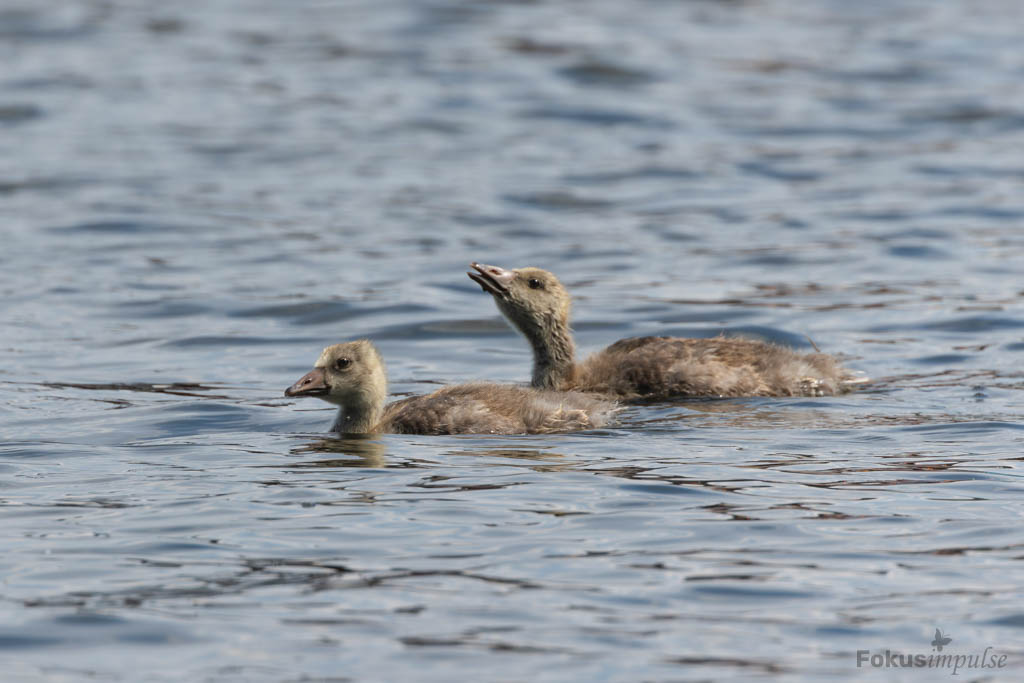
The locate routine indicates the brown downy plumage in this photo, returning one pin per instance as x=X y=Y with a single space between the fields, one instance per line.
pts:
x=536 y=304
x=352 y=376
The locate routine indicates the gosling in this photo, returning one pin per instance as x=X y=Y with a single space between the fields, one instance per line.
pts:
x=537 y=305
x=352 y=376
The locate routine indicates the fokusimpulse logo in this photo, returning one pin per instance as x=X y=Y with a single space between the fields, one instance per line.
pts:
x=936 y=659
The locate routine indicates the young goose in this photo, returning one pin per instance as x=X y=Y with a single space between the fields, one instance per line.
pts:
x=352 y=376
x=536 y=303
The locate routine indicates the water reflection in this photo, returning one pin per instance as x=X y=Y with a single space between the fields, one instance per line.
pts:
x=537 y=460
x=365 y=451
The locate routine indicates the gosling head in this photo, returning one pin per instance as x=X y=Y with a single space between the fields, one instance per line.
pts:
x=350 y=374
x=532 y=299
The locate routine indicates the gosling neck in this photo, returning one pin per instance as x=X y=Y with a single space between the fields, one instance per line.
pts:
x=554 y=354
x=360 y=414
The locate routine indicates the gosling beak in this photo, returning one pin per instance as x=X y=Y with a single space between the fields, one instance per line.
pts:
x=312 y=383
x=491 y=279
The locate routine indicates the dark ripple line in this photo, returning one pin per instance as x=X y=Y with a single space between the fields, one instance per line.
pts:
x=598 y=117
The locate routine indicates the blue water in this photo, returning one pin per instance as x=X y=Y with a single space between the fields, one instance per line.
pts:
x=195 y=198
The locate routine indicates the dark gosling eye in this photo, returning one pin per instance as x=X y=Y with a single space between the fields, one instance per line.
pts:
x=342 y=363
x=534 y=283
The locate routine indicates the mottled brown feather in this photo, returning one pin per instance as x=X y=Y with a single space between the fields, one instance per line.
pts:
x=651 y=367
x=495 y=409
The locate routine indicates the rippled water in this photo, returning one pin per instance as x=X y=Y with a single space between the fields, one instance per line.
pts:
x=196 y=198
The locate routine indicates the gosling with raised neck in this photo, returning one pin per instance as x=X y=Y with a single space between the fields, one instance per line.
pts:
x=352 y=376
x=538 y=306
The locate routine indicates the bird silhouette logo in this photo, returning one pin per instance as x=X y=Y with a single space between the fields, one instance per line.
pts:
x=940 y=640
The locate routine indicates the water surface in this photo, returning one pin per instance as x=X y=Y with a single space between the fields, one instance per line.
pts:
x=195 y=199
